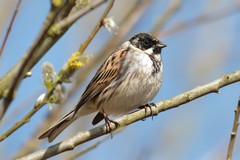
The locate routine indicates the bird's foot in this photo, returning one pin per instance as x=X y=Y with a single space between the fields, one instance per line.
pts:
x=108 y=122
x=152 y=107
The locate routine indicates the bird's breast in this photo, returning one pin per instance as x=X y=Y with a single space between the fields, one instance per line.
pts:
x=135 y=86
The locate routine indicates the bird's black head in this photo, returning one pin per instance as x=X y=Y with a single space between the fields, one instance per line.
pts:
x=146 y=41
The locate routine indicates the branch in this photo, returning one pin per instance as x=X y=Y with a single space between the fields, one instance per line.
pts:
x=10 y=27
x=127 y=23
x=35 y=53
x=200 y=20
x=234 y=131
x=10 y=82
x=170 y=11
x=97 y=27
x=93 y=146
x=76 y=15
x=82 y=137
x=62 y=73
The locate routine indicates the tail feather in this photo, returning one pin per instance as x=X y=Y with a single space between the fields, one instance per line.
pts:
x=55 y=130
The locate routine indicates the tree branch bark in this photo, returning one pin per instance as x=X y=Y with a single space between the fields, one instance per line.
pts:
x=130 y=19
x=10 y=82
x=85 y=136
x=27 y=118
x=234 y=131
x=10 y=27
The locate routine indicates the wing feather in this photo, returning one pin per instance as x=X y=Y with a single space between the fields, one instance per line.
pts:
x=106 y=73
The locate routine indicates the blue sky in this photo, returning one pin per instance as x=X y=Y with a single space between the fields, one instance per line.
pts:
x=195 y=56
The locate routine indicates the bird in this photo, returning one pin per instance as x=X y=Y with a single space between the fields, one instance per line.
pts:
x=128 y=79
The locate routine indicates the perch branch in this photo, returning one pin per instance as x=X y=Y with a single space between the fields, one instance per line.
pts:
x=85 y=136
x=127 y=23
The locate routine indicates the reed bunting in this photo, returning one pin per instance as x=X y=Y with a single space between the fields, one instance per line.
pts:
x=129 y=78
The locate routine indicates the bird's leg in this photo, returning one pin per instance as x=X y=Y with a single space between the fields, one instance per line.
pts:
x=108 y=124
x=143 y=107
x=151 y=106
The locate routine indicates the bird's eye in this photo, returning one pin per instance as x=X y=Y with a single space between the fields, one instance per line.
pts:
x=146 y=43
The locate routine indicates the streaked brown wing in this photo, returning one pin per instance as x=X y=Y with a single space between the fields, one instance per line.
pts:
x=106 y=73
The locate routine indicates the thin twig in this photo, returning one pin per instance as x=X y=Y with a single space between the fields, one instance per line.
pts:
x=199 y=20
x=82 y=137
x=10 y=27
x=234 y=131
x=20 y=109
x=96 y=28
x=33 y=142
x=27 y=118
x=45 y=43
x=128 y=22
x=173 y=8
x=73 y=17
x=24 y=67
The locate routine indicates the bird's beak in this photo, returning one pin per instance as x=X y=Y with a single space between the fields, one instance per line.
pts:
x=161 y=45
